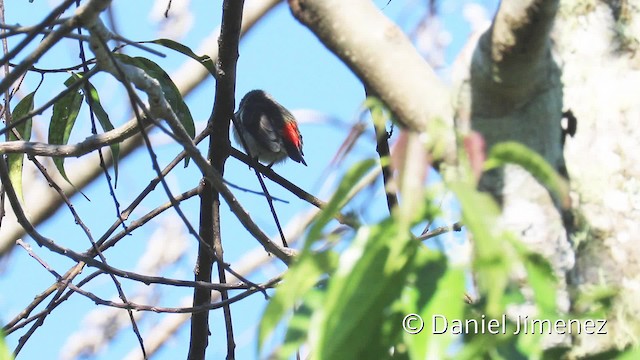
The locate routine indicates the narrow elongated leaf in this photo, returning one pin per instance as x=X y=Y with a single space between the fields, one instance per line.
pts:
x=541 y=279
x=65 y=112
x=491 y=262
x=298 y=327
x=16 y=161
x=543 y=283
x=370 y=276
x=436 y=293
x=338 y=200
x=93 y=100
x=170 y=90
x=301 y=277
x=4 y=350
x=305 y=273
x=515 y=153
x=205 y=60
x=105 y=123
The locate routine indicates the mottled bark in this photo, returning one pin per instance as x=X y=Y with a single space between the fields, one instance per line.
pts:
x=520 y=77
x=598 y=47
x=510 y=90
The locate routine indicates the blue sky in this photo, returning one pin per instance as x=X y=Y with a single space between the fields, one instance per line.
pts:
x=278 y=55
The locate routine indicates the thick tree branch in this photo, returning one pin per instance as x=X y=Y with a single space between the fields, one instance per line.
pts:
x=516 y=93
x=210 y=196
x=513 y=57
x=521 y=29
x=384 y=59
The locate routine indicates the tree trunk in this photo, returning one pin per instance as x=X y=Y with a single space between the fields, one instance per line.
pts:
x=598 y=46
x=519 y=83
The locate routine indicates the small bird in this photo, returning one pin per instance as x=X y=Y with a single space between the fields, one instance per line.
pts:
x=271 y=130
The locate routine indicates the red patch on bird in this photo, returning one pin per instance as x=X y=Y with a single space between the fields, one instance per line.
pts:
x=291 y=134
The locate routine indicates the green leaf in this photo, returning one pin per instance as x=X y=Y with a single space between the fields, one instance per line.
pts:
x=301 y=277
x=541 y=279
x=595 y=301
x=370 y=276
x=16 y=161
x=306 y=271
x=204 y=60
x=630 y=354
x=438 y=290
x=105 y=123
x=511 y=152
x=299 y=324
x=338 y=200
x=170 y=90
x=4 y=350
x=491 y=261
x=65 y=112
x=379 y=112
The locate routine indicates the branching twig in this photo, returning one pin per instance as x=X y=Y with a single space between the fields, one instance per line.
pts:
x=291 y=187
x=17 y=29
x=188 y=77
x=160 y=108
x=50 y=19
x=250 y=262
x=121 y=293
x=41 y=109
x=457 y=226
x=159 y=309
x=382 y=148
x=84 y=18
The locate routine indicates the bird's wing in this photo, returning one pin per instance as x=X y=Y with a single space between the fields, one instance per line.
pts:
x=293 y=142
x=265 y=134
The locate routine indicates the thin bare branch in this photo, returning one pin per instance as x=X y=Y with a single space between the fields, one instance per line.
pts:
x=188 y=77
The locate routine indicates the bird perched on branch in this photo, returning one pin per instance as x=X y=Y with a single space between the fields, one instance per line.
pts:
x=267 y=130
